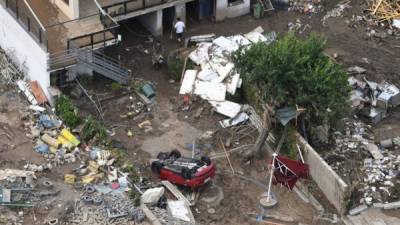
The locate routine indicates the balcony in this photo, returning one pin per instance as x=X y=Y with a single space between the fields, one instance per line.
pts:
x=125 y=9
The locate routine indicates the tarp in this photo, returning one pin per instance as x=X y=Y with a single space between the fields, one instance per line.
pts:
x=288 y=171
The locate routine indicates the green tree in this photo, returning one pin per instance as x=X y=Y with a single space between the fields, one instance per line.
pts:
x=293 y=71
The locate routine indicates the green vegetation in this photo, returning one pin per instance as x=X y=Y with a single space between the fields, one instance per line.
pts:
x=175 y=67
x=134 y=196
x=132 y=172
x=293 y=71
x=288 y=147
x=93 y=129
x=67 y=111
x=115 y=87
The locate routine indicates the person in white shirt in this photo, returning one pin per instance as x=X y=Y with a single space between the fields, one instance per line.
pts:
x=179 y=29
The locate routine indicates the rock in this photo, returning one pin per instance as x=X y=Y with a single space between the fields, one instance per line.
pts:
x=151 y=196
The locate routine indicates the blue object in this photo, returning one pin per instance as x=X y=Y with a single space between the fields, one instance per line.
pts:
x=42 y=149
x=46 y=121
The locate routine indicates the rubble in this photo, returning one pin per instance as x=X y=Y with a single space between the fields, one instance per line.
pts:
x=371 y=99
x=217 y=77
x=337 y=11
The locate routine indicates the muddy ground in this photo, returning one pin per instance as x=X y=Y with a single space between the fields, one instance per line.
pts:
x=173 y=128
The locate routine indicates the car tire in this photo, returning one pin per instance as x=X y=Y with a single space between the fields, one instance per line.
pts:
x=156 y=167
x=175 y=153
x=162 y=155
x=186 y=173
x=206 y=160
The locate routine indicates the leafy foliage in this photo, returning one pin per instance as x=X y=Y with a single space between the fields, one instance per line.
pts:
x=293 y=71
x=92 y=128
x=67 y=111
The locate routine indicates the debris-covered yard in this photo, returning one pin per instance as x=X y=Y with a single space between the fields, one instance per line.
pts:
x=94 y=157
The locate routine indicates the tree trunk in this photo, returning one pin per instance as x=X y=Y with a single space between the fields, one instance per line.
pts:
x=262 y=137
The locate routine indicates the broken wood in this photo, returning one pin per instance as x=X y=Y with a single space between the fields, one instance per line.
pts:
x=227 y=156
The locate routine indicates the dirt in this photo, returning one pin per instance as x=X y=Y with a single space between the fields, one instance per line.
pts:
x=173 y=128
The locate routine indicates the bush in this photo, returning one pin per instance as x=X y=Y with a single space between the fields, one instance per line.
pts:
x=67 y=111
x=93 y=129
x=292 y=71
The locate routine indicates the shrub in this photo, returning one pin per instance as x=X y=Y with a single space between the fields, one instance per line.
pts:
x=93 y=129
x=67 y=111
x=292 y=71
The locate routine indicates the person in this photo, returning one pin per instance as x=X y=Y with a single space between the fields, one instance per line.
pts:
x=157 y=57
x=179 y=29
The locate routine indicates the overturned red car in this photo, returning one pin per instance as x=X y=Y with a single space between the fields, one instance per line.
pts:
x=183 y=171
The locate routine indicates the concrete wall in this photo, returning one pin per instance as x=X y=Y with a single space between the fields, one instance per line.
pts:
x=153 y=22
x=71 y=10
x=180 y=11
x=333 y=187
x=26 y=52
x=223 y=10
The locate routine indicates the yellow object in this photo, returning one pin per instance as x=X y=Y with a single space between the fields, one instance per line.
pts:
x=50 y=141
x=67 y=144
x=93 y=166
x=88 y=178
x=69 y=178
x=53 y=150
x=129 y=133
x=70 y=137
x=144 y=124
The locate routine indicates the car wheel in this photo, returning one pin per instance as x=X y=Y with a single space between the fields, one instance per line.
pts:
x=206 y=160
x=162 y=155
x=156 y=167
x=175 y=153
x=186 y=173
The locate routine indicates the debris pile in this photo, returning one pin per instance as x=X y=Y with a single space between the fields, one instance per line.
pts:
x=385 y=10
x=305 y=6
x=217 y=77
x=97 y=206
x=358 y=160
x=371 y=99
x=337 y=11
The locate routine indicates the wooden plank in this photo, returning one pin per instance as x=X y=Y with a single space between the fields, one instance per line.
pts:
x=377 y=6
x=38 y=92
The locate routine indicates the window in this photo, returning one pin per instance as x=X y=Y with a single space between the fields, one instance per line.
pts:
x=66 y=1
x=235 y=2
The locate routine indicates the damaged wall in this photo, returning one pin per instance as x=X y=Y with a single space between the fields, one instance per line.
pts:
x=333 y=187
x=224 y=10
x=27 y=53
x=71 y=9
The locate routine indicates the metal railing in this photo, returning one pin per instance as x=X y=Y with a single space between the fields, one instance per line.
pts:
x=24 y=15
x=128 y=6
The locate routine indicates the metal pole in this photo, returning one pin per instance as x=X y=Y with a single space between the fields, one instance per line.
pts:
x=194 y=143
x=274 y=155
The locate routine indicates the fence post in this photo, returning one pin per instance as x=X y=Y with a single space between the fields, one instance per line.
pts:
x=6 y=3
x=29 y=23
x=91 y=39
x=144 y=4
x=125 y=8
x=16 y=9
x=40 y=35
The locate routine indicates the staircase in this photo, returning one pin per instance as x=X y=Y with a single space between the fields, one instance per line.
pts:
x=104 y=65
x=94 y=60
